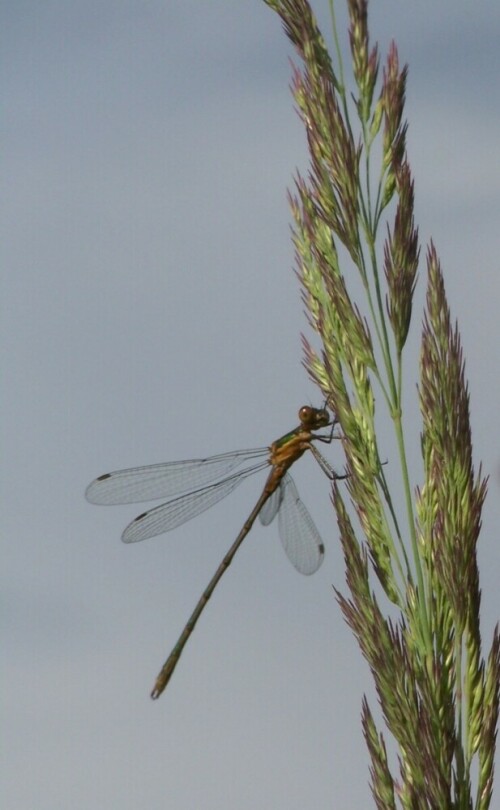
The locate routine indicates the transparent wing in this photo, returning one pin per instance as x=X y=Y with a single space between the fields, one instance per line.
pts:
x=179 y=510
x=165 y=480
x=271 y=506
x=299 y=536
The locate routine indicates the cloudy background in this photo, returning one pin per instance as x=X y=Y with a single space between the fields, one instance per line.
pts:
x=151 y=314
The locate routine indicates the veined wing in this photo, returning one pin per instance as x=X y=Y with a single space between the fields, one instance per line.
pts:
x=165 y=480
x=271 y=506
x=181 y=509
x=300 y=538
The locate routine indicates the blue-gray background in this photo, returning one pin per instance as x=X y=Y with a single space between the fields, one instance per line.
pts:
x=151 y=314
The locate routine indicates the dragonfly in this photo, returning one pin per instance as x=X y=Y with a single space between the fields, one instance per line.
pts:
x=195 y=485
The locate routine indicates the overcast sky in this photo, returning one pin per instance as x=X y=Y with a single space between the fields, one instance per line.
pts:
x=152 y=314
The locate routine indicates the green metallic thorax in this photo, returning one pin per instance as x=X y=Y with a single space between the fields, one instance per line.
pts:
x=286 y=438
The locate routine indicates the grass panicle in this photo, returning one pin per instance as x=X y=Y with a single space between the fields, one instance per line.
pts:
x=411 y=562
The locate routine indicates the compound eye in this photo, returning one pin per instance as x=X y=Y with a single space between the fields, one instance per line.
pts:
x=306 y=414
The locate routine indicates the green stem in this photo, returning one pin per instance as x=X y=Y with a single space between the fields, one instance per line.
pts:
x=422 y=590
x=341 y=89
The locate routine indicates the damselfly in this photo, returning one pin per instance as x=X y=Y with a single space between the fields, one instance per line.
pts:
x=191 y=487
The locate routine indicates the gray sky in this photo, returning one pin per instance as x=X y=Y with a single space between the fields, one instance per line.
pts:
x=152 y=315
